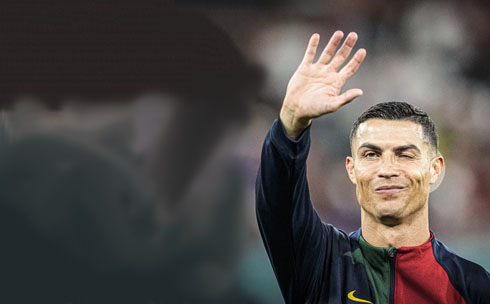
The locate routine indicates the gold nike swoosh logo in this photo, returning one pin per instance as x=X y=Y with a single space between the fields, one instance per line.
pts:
x=350 y=295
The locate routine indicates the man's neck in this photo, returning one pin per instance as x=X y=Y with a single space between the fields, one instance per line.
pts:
x=410 y=232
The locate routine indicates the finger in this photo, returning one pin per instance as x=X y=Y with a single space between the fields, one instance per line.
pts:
x=347 y=97
x=344 y=51
x=350 y=68
x=311 y=49
x=332 y=45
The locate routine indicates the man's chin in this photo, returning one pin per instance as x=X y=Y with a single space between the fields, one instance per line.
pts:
x=390 y=215
x=389 y=220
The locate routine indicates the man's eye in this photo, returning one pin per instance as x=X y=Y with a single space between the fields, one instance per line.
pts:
x=370 y=154
x=406 y=156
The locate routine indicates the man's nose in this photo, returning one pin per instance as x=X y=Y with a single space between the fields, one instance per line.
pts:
x=388 y=168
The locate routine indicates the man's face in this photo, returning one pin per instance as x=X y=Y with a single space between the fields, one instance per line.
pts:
x=392 y=166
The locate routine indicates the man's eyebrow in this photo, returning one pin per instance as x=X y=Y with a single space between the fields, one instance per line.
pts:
x=396 y=149
x=369 y=146
x=406 y=147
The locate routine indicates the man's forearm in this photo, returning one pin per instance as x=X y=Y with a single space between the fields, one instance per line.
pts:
x=291 y=229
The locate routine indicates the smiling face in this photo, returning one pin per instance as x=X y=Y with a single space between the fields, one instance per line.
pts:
x=392 y=166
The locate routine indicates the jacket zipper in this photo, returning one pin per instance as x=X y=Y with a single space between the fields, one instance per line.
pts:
x=392 y=275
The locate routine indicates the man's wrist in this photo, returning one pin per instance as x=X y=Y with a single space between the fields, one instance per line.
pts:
x=292 y=125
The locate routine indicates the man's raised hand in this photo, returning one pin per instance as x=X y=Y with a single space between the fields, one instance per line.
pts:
x=314 y=89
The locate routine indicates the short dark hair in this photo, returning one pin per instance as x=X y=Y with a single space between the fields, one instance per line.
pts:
x=399 y=110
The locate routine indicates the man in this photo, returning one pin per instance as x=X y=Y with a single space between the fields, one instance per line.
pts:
x=393 y=257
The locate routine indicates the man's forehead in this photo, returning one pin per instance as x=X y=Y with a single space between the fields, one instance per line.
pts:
x=389 y=130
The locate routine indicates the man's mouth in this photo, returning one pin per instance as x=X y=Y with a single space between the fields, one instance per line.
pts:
x=389 y=189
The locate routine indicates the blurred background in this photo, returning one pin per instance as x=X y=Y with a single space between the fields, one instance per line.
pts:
x=130 y=137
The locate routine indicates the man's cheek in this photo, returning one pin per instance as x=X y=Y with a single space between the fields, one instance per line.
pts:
x=421 y=178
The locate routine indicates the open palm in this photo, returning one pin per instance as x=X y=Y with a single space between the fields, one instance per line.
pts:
x=314 y=89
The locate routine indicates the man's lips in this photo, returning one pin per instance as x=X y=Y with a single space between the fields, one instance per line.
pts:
x=389 y=189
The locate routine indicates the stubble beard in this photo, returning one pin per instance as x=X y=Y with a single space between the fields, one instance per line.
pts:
x=393 y=216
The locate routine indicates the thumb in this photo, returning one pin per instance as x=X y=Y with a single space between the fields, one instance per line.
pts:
x=348 y=96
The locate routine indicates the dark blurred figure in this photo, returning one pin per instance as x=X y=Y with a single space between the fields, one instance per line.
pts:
x=125 y=190
x=478 y=21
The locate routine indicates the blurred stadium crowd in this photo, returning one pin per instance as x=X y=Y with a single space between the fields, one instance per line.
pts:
x=131 y=134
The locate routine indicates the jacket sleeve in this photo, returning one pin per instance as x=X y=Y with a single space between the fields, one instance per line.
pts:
x=293 y=234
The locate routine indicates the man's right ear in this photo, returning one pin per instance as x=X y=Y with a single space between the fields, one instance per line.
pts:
x=349 y=166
